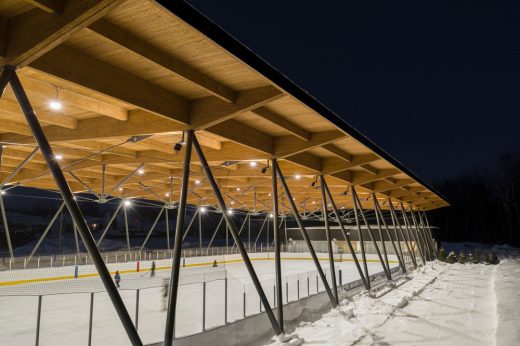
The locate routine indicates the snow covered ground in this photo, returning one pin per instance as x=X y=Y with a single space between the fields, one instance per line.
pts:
x=442 y=304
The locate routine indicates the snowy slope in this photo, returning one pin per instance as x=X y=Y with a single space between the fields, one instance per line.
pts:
x=459 y=304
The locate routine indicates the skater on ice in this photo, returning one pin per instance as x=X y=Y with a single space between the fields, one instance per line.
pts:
x=152 y=270
x=117 y=278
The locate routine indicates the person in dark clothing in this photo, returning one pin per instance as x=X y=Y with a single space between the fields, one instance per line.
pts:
x=117 y=278
x=152 y=270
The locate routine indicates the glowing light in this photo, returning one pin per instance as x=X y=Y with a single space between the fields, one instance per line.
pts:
x=197 y=182
x=252 y=163
x=58 y=157
x=202 y=209
x=55 y=105
x=2 y=192
x=120 y=189
x=230 y=211
x=127 y=203
x=313 y=202
x=297 y=177
x=238 y=189
x=167 y=194
x=269 y=195
x=232 y=202
x=140 y=171
x=271 y=215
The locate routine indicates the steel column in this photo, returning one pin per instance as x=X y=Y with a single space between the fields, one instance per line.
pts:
x=426 y=236
x=222 y=205
x=73 y=207
x=374 y=198
x=127 y=233
x=107 y=227
x=276 y=236
x=420 y=235
x=151 y=229
x=431 y=234
x=397 y=253
x=304 y=234
x=361 y=240
x=169 y=333
x=216 y=230
x=200 y=230
x=6 y=227
x=412 y=234
x=47 y=229
x=345 y=235
x=369 y=229
x=167 y=222
x=396 y=222
x=329 y=239
x=19 y=167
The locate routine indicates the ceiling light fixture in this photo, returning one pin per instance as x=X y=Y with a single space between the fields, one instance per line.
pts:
x=252 y=163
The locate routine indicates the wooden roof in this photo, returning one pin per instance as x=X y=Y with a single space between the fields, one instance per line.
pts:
x=141 y=68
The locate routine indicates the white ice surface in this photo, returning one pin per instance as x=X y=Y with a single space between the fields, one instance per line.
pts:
x=65 y=317
x=460 y=304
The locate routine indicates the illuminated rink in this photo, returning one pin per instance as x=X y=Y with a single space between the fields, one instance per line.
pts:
x=65 y=317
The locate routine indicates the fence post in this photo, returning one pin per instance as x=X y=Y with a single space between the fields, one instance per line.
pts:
x=10 y=262
x=287 y=291
x=38 y=319
x=52 y=257
x=225 y=301
x=63 y=261
x=137 y=309
x=244 y=302
x=317 y=284
x=203 y=306
x=308 y=288
x=90 y=318
x=274 y=296
x=340 y=278
x=297 y=289
x=24 y=262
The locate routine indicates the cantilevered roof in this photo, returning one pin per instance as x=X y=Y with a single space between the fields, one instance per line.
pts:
x=148 y=70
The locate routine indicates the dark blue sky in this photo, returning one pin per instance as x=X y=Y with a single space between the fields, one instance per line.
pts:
x=436 y=84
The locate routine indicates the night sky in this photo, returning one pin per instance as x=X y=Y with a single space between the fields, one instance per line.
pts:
x=434 y=84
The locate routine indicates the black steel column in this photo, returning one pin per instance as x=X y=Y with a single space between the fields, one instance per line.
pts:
x=374 y=197
x=345 y=235
x=304 y=234
x=169 y=333
x=72 y=206
x=426 y=236
x=329 y=239
x=413 y=236
x=430 y=235
x=369 y=229
x=277 y=257
x=395 y=221
x=397 y=253
x=229 y=220
x=420 y=235
x=361 y=240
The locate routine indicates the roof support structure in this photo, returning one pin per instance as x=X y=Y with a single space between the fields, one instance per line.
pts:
x=329 y=238
x=234 y=233
x=359 y=207
x=379 y=215
x=397 y=227
x=9 y=74
x=345 y=235
x=303 y=231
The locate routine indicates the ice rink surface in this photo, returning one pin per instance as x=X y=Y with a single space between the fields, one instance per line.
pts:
x=66 y=300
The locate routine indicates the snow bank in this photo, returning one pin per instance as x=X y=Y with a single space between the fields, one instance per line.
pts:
x=507 y=283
